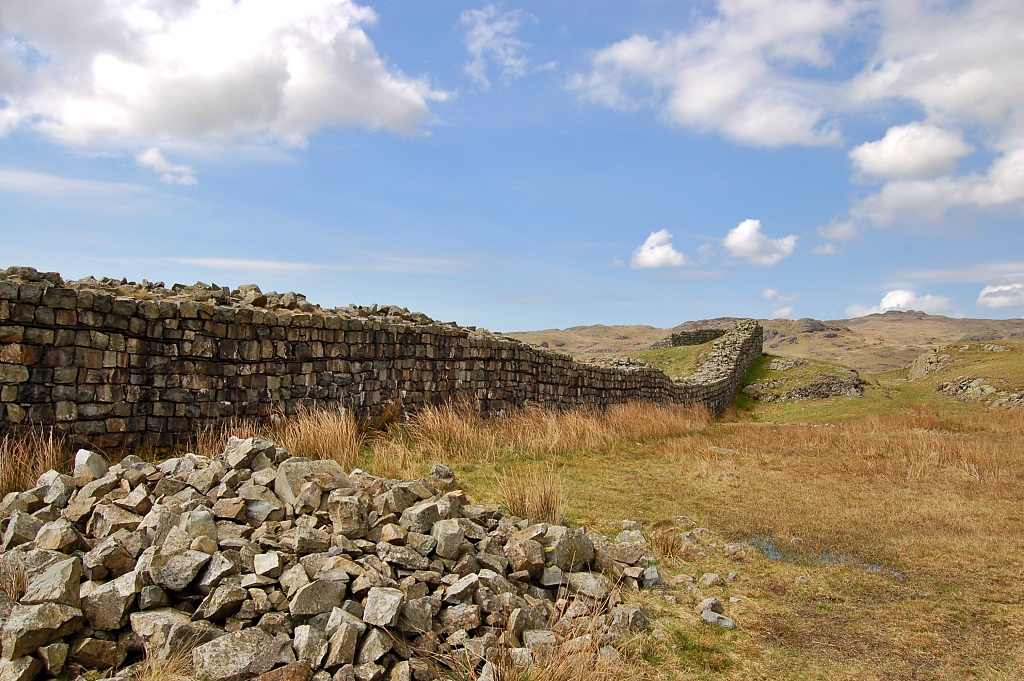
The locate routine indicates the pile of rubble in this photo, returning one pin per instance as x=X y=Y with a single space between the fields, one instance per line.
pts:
x=261 y=564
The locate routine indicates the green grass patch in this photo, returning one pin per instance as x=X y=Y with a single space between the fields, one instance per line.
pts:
x=682 y=360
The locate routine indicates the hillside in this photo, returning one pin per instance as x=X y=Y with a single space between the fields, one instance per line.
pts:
x=876 y=342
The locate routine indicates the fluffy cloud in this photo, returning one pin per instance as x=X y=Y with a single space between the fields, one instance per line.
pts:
x=733 y=73
x=657 y=251
x=1004 y=292
x=490 y=37
x=961 y=63
x=169 y=172
x=780 y=313
x=140 y=71
x=912 y=151
x=747 y=241
x=826 y=249
x=904 y=300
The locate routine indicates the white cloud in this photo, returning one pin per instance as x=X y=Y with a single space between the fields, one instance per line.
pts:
x=1004 y=292
x=904 y=300
x=962 y=64
x=657 y=251
x=912 y=151
x=733 y=73
x=490 y=37
x=747 y=241
x=169 y=172
x=839 y=230
x=138 y=72
x=828 y=248
x=773 y=294
x=781 y=313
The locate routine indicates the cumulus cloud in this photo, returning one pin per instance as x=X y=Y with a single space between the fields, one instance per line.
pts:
x=733 y=73
x=747 y=241
x=1004 y=292
x=913 y=151
x=961 y=63
x=904 y=300
x=828 y=248
x=491 y=38
x=169 y=172
x=137 y=72
x=657 y=251
x=780 y=313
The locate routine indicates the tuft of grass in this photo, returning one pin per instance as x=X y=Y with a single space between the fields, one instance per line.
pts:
x=537 y=494
x=321 y=434
x=175 y=667
x=314 y=433
x=12 y=576
x=26 y=455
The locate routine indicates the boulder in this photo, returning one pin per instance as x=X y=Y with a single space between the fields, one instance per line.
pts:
x=449 y=536
x=24 y=668
x=89 y=466
x=383 y=606
x=107 y=607
x=317 y=597
x=58 y=584
x=30 y=626
x=237 y=656
x=177 y=571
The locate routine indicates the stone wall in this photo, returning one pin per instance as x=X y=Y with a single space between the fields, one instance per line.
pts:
x=125 y=370
x=698 y=337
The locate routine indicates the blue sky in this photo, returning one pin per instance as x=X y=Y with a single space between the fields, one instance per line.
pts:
x=525 y=165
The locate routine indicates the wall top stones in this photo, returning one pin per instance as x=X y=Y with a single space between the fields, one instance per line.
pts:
x=117 y=362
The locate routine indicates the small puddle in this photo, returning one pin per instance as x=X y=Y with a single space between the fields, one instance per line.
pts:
x=770 y=550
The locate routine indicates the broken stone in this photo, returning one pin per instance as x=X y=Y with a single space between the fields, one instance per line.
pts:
x=30 y=626
x=59 y=584
x=89 y=466
x=176 y=572
x=108 y=606
x=316 y=597
x=237 y=656
x=383 y=606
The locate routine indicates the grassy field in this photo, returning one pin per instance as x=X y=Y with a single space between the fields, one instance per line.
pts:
x=895 y=521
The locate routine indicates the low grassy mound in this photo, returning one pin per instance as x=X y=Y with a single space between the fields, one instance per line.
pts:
x=676 y=361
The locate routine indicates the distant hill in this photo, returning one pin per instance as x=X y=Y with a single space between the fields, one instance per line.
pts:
x=876 y=342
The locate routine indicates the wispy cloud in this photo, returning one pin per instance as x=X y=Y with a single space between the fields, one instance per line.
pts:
x=491 y=38
x=972 y=274
x=44 y=184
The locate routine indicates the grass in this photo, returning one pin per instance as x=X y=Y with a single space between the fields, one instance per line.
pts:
x=676 y=361
x=12 y=576
x=27 y=455
x=536 y=493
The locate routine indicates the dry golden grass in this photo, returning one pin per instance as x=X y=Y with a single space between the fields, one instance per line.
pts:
x=536 y=493
x=12 y=576
x=175 y=667
x=314 y=433
x=457 y=432
x=27 y=455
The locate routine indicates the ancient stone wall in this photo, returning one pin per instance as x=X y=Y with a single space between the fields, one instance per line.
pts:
x=698 y=337
x=122 y=370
